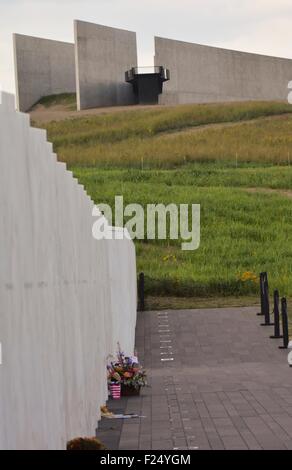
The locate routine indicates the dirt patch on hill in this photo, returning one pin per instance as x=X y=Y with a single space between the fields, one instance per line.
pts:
x=42 y=114
x=220 y=125
x=280 y=192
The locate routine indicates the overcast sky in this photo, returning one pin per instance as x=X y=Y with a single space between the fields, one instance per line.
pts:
x=262 y=26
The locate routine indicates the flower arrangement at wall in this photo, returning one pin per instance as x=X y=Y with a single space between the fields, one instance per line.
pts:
x=126 y=372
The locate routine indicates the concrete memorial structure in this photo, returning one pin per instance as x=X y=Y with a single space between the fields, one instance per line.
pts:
x=66 y=299
x=42 y=67
x=103 y=55
x=100 y=63
x=201 y=74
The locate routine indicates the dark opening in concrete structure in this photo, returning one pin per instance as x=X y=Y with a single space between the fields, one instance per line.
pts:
x=147 y=82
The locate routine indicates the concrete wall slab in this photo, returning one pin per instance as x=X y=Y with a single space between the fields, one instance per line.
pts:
x=42 y=67
x=103 y=55
x=66 y=299
x=202 y=74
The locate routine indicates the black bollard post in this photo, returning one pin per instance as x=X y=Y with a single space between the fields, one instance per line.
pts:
x=262 y=277
x=284 y=324
x=277 y=334
x=266 y=302
x=141 y=295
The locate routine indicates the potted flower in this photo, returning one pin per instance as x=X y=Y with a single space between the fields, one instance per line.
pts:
x=128 y=373
x=133 y=378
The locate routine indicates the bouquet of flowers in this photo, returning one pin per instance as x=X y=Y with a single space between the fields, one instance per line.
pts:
x=126 y=371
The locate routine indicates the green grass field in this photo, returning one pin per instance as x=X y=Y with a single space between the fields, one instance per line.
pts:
x=233 y=159
x=240 y=231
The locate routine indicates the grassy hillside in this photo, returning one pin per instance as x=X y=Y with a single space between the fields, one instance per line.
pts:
x=233 y=159
x=170 y=137
x=67 y=100
x=241 y=230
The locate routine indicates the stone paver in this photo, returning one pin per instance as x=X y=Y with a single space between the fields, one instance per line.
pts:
x=217 y=381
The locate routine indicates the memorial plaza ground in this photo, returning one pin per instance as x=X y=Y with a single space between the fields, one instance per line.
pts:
x=216 y=381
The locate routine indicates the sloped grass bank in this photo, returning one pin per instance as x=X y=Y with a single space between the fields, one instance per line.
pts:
x=240 y=231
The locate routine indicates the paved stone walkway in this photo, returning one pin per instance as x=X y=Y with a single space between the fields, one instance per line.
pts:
x=217 y=382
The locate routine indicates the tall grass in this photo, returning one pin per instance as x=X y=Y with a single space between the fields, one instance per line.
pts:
x=137 y=138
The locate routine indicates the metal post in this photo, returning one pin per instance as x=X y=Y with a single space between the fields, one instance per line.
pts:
x=262 y=277
x=141 y=295
x=284 y=324
x=266 y=302
x=277 y=334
